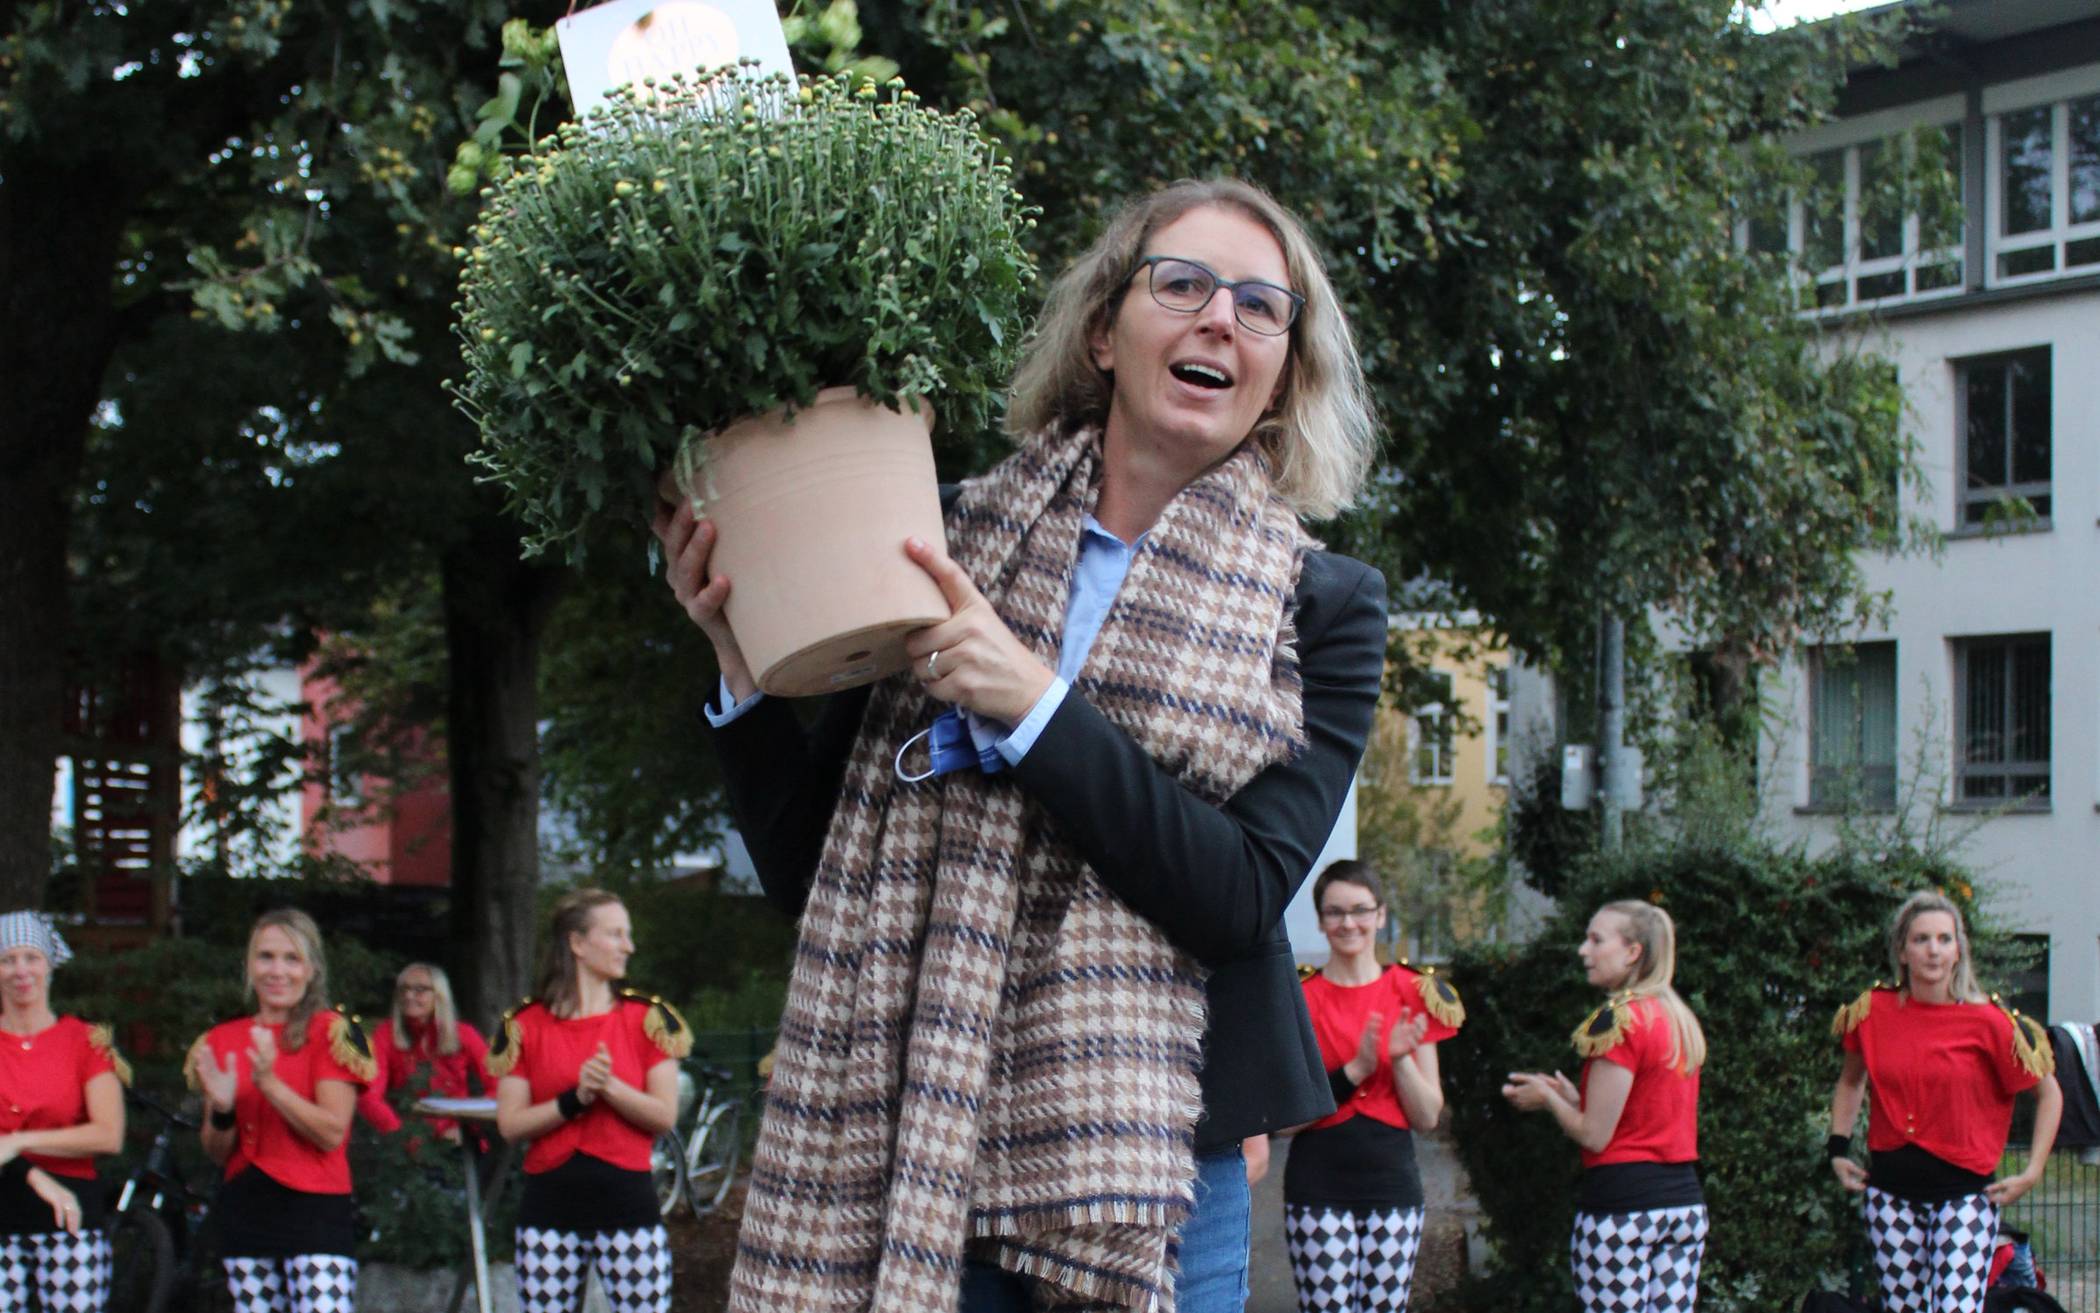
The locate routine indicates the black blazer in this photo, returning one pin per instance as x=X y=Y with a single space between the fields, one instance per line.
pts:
x=1216 y=880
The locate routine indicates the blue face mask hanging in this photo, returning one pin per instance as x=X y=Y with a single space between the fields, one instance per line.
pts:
x=950 y=747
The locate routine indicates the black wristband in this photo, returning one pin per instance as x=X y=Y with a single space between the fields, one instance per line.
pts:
x=223 y=1121
x=570 y=1103
x=1838 y=1146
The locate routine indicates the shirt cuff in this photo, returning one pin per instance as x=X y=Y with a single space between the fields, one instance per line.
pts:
x=1016 y=745
x=723 y=699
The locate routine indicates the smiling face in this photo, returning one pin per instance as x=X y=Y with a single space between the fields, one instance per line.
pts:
x=1608 y=956
x=1189 y=388
x=25 y=976
x=1350 y=917
x=418 y=995
x=278 y=971
x=1931 y=947
x=603 y=947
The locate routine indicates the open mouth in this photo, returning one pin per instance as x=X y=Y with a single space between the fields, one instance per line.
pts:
x=1200 y=375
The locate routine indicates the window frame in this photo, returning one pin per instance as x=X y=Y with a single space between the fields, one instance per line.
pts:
x=1498 y=724
x=2055 y=93
x=1827 y=790
x=1434 y=716
x=1964 y=770
x=1966 y=496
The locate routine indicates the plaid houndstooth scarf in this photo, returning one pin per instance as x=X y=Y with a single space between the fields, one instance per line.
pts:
x=981 y=1042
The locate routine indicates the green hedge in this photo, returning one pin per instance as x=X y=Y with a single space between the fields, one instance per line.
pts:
x=1769 y=943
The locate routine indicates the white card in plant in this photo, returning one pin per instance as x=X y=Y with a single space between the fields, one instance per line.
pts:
x=626 y=41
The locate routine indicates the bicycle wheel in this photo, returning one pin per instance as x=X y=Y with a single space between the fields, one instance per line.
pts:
x=667 y=1172
x=143 y=1270
x=711 y=1157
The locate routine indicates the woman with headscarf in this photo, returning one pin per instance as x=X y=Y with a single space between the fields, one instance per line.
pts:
x=1942 y=1063
x=995 y=1071
x=1640 y=1213
x=61 y=1105
x=280 y=1088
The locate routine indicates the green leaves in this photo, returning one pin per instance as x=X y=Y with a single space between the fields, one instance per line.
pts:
x=709 y=251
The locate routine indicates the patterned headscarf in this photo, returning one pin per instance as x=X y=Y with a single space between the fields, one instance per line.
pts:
x=27 y=929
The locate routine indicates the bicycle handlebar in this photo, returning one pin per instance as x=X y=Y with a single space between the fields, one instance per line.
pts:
x=148 y=1102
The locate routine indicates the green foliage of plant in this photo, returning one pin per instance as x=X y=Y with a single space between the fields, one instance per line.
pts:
x=708 y=250
x=1770 y=941
x=411 y=1196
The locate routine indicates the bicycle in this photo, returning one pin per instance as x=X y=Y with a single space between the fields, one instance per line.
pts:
x=155 y=1222
x=699 y=1165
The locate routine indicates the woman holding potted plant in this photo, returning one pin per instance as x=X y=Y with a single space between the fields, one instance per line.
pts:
x=1144 y=710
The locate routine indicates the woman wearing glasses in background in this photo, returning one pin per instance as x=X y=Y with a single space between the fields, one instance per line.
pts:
x=1351 y=1193
x=425 y=1039
x=993 y=1064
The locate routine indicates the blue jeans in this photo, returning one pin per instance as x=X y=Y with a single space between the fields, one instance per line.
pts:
x=1213 y=1275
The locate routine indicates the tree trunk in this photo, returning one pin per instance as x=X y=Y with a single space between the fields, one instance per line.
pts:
x=496 y=607
x=58 y=241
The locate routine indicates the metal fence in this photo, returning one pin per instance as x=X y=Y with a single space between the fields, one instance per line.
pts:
x=2061 y=1217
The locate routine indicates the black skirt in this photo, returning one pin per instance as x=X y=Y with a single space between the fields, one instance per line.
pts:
x=586 y=1195
x=260 y=1217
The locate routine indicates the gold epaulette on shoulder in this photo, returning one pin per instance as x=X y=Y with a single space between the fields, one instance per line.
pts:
x=2031 y=1046
x=1440 y=999
x=503 y=1049
x=199 y=1047
x=1306 y=971
x=104 y=1042
x=1849 y=1015
x=664 y=1027
x=1602 y=1030
x=349 y=1045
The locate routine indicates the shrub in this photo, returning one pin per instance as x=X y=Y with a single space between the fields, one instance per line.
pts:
x=1769 y=943
x=710 y=250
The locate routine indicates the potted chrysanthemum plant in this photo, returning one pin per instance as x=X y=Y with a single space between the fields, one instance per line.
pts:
x=760 y=294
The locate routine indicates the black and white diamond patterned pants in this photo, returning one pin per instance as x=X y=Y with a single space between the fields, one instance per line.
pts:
x=68 y=1273
x=634 y=1269
x=302 y=1283
x=1352 y=1260
x=1931 y=1258
x=1644 y=1262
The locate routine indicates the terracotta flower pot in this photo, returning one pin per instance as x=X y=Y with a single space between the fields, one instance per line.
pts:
x=811 y=517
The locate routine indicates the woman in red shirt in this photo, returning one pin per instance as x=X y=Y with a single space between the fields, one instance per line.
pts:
x=1640 y=1215
x=425 y=1038
x=279 y=1091
x=60 y=1104
x=1942 y=1063
x=1352 y=1197
x=587 y=1073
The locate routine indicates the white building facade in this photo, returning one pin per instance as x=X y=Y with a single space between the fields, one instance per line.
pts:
x=1977 y=707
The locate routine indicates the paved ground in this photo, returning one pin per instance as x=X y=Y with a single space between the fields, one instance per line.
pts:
x=1443 y=1244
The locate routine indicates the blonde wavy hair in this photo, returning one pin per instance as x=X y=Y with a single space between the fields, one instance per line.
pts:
x=444 y=1013
x=307 y=936
x=1319 y=438
x=1962 y=988
x=1649 y=928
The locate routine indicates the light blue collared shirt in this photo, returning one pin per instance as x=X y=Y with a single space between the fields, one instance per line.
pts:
x=1097 y=576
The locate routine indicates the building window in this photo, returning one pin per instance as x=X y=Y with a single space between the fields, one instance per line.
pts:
x=1852 y=726
x=346 y=781
x=1858 y=236
x=1498 y=725
x=2004 y=422
x=2002 y=720
x=1434 y=748
x=2045 y=204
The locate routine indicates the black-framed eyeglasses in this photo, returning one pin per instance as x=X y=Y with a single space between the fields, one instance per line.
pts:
x=1184 y=286
x=1337 y=915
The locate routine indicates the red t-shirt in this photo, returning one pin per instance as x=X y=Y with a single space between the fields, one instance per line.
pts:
x=1338 y=1015
x=1660 y=1123
x=1941 y=1076
x=551 y=1050
x=265 y=1140
x=448 y=1071
x=43 y=1084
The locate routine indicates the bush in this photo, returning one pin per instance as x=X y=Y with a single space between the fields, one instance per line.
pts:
x=708 y=251
x=1769 y=943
